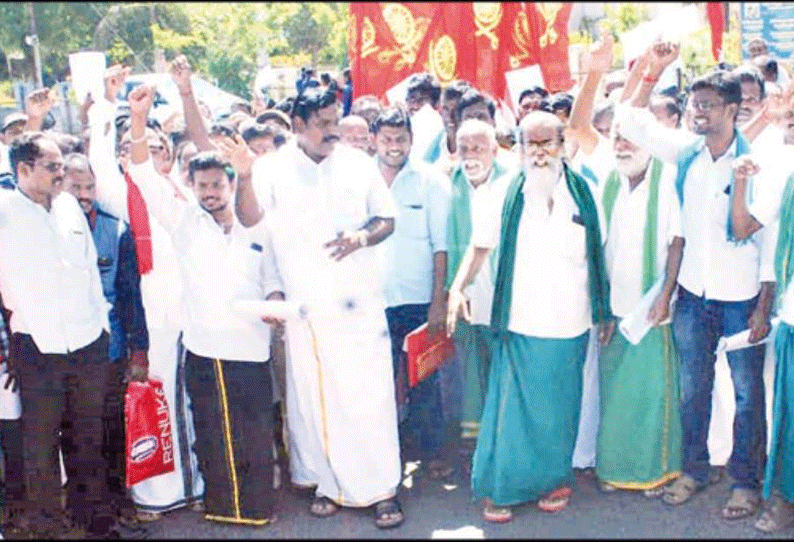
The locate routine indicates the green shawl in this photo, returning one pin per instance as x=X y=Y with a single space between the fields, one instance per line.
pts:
x=511 y=214
x=611 y=189
x=785 y=239
x=459 y=221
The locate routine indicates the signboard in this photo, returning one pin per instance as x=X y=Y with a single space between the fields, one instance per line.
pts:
x=772 y=21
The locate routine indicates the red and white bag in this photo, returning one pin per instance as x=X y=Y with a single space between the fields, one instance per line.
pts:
x=150 y=450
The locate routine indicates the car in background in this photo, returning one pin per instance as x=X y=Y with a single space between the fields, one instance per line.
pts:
x=168 y=101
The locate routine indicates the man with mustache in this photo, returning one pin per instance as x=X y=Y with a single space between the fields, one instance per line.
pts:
x=59 y=342
x=479 y=184
x=722 y=284
x=228 y=380
x=551 y=287
x=415 y=259
x=326 y=206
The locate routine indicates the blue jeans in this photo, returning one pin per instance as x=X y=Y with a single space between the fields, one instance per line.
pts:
x=424 y=422
x=698 y=324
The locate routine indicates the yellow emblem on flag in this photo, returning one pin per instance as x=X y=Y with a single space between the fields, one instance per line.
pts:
x=407 y=31
x=367 y=38
x=443 y=58
x=521 y=37
x=549 y=12
x=487 y=16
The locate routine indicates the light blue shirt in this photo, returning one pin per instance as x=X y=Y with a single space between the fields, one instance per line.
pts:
x=422 y=197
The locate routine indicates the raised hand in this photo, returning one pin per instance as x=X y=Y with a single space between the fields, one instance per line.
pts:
x=236 y=151
x=114 y=80
x=745 y=167
x=663 y=53
x=180 y=72
x=39 y=102
x=141 y=99
x=600 y=58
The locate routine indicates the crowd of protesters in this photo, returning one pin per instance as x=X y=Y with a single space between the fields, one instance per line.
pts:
x=267 y=264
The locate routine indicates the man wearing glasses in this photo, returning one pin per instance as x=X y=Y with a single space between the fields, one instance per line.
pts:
x=59 y=343
x=723 y=288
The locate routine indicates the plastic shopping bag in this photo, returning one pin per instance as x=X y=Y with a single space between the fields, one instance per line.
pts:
x=150 y=449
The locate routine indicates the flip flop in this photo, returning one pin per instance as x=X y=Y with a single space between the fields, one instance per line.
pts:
x=556 y=501
x=743 y=502
x=323 y=507
x=778 y=515
x=681 y=490
x=388 y=514
x=496 y=514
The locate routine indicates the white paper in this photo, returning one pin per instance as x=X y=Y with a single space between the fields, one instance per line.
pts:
x=10 y=404
x=88 y=74
x=258 y=308
x=521 y=79
x=636 y=324
x=740 y=340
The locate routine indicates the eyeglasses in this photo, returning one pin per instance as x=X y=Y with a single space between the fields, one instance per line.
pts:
x=547 y=145
x=703 y=105
x=52 y=167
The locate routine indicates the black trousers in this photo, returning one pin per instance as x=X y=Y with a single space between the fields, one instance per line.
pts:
x=63 y=392
x=114 y=441
x=232 y=403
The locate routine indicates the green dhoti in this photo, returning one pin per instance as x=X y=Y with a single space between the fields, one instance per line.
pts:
x=780 y=463
x=639 y=437
x=530 y=419
x=472 y=343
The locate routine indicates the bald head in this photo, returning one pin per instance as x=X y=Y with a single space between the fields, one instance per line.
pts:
x=476 y=147
x=476 y=127
x=541 y=120
x=354 y=132
x=540 y=135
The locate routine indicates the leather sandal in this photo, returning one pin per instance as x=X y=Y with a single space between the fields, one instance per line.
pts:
x=742 y=503
x=778 y=515
x=681 y=490
x=388 y=514
x=323 y=507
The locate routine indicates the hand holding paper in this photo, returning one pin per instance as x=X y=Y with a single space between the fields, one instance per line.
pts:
x=741 y=340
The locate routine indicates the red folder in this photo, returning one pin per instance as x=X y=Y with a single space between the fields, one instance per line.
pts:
x=425 y=355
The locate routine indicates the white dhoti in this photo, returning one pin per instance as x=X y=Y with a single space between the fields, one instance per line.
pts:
x=343 y=418
x=584 y=453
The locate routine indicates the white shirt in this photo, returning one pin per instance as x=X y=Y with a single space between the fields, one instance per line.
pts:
x=422 y=196
x=306 y=205
x=49 y=274
x=711 y=265
x=217 y=269
x=5 y=160
x=625 y=244
x=161 y=288
x=550 y=294
x=598 y=163
x=485 y=200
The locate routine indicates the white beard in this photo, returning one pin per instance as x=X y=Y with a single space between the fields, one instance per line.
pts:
x=542 y=180
x=476 y=173
x=635 y=165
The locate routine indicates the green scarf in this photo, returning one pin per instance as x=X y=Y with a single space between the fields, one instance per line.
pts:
x=785 y=239
x=611 y=189
x=511 y=214
x=459 y=221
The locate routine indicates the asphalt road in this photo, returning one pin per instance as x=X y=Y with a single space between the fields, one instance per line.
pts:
x=443 y=509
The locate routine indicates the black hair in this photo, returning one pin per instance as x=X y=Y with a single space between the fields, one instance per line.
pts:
x=472 y=96
x=425 y=82
x=312 y=100
x=346 y=73
x=606 y=107
x=393 y=117
x=285 y=105
x=455 y=89
x=68 y=143
x=540 y=91
x=747 y=74
x=206 y=160
x=77 y=160
x=724 y=83
x=254 y=129
x=559 y=101
x=26 y=147
x=325 y=77
x=222 y=129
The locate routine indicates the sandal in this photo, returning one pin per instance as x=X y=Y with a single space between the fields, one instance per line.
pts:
x=148 y=517
x=743 y=502
x=681 y=490
x=654 y=492
x=555 y=501
x=323 y=507
x=778 y=515
x=606 y=487
x=388 y=514
x=494 y=514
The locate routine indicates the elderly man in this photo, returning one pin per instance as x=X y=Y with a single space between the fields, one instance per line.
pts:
x=59 y=341
x=479 y=184
x=326 y=206
x=722 y=289
x=354 y=131
x=550 y=228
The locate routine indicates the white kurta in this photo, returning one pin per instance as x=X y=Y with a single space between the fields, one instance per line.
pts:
x=341 y=409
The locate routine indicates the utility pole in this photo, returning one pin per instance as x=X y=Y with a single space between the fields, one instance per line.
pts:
x=33 y=41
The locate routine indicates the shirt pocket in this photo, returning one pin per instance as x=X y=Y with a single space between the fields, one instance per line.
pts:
x=413 y=220
x=74 y=248
x=570 y=242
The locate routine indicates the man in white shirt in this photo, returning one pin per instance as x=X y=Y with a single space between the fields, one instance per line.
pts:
x=59 y=343
x=479 y=184
x=415 y=261
x=326 y=205
x=228 y=381
x=551 y=287
x=13 y=125
x=720 y=289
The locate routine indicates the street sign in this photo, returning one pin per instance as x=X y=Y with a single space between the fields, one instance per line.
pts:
x=771 y=21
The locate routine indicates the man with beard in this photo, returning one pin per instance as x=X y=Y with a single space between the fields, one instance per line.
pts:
x=479 y=184
x=228 y=380
x=550 y=228
x=326 y=206
x=721 y=288
x=415 y=259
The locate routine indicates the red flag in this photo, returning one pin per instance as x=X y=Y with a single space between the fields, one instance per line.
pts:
x=139 y=224
x=548 y=22
x=716 y=16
